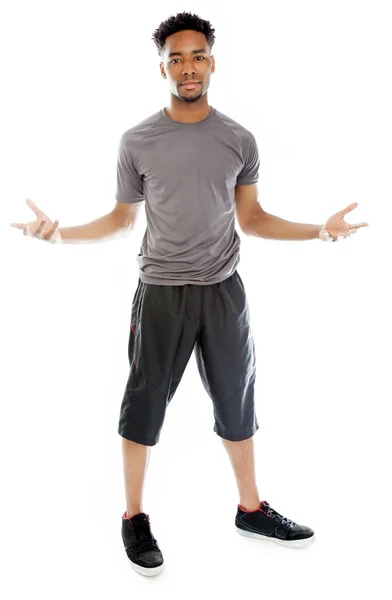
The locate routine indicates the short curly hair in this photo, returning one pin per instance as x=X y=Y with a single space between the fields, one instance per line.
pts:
x=181 y=22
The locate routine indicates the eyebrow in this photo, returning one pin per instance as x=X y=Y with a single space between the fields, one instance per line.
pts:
x=193 y=52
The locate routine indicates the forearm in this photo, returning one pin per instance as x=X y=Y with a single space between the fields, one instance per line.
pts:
x=106 y=227
x=271 y=227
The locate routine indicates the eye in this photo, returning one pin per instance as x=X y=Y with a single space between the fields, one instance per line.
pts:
x=174 y=60
x=202 y=57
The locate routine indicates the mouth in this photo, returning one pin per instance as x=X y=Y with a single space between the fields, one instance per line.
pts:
x=190 y=85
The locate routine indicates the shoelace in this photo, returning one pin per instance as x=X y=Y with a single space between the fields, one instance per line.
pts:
x=142 y=546
x=275 y=515
x=146 y=542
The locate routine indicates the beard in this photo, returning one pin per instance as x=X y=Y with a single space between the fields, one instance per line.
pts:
x=190 y=98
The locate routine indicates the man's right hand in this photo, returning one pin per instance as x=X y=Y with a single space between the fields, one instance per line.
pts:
x=42 y=228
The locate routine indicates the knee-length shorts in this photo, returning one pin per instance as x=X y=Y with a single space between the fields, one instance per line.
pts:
x=168 y=323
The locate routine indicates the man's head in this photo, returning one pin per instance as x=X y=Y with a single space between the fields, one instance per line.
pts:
x=184 y=44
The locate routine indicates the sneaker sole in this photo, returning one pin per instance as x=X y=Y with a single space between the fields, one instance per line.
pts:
x=293 y=544
x=147 y=571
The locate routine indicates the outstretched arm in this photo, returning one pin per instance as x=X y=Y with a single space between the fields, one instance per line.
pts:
x=255 y=221
x=120 y=221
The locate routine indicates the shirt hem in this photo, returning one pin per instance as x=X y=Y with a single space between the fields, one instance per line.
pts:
x=157 y=281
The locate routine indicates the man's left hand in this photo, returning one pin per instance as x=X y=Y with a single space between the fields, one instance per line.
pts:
x=336 y=228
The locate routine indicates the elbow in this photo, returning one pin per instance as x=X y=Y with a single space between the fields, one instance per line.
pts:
x=246 y=228
x=127 y=227
x=249 y=225
x=123 y=223
x=245 y=223
x=256 y=224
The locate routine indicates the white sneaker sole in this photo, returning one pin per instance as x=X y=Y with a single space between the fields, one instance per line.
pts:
x=146 y=571
x=292 y=544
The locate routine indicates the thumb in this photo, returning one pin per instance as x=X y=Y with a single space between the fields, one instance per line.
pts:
x=34 y=207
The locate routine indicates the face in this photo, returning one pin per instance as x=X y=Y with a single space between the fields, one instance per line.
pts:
x=187 y=64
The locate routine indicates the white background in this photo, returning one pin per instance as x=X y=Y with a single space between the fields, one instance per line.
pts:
x=312 y=81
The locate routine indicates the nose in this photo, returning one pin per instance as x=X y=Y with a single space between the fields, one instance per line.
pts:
x=189 y=68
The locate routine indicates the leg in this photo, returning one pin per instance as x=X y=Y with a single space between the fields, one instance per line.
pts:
x=226 y=360
x=135 y=464
x=161 y=341
x=242 y=459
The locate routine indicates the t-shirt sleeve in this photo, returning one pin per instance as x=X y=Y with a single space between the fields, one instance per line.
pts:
x=250 y=170
x=129 y=182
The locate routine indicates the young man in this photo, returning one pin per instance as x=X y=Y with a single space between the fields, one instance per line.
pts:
x=195 y=169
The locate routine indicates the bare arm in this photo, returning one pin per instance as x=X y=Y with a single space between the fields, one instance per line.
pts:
x=254 y=221
x=118 y=223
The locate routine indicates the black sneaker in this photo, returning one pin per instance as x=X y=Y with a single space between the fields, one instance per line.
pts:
x=140 y=545
x=265 y=523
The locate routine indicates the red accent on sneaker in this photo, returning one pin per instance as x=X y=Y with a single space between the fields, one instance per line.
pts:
x=125 y=516
x=248 y=511
x=133 y=330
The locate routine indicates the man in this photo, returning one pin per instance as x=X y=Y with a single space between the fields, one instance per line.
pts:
x=196 y=169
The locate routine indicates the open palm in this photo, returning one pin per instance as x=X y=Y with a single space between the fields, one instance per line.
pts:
x=42 y=228
x=336 y=227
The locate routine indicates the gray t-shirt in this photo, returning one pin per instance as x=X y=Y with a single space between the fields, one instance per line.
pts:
x=186 y=173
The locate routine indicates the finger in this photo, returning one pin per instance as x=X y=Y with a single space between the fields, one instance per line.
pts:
x=358 y=225
x=34 y=207
x=40 y=228
x=348 y=208
x=26 y=227
x=48 y=236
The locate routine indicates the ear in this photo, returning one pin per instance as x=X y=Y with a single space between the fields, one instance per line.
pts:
x=212 y=64
x=163 y=71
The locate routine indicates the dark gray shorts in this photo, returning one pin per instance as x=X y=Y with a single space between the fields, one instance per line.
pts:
x=167 y=324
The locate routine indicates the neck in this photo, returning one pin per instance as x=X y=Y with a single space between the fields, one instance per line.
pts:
x=188 y=112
